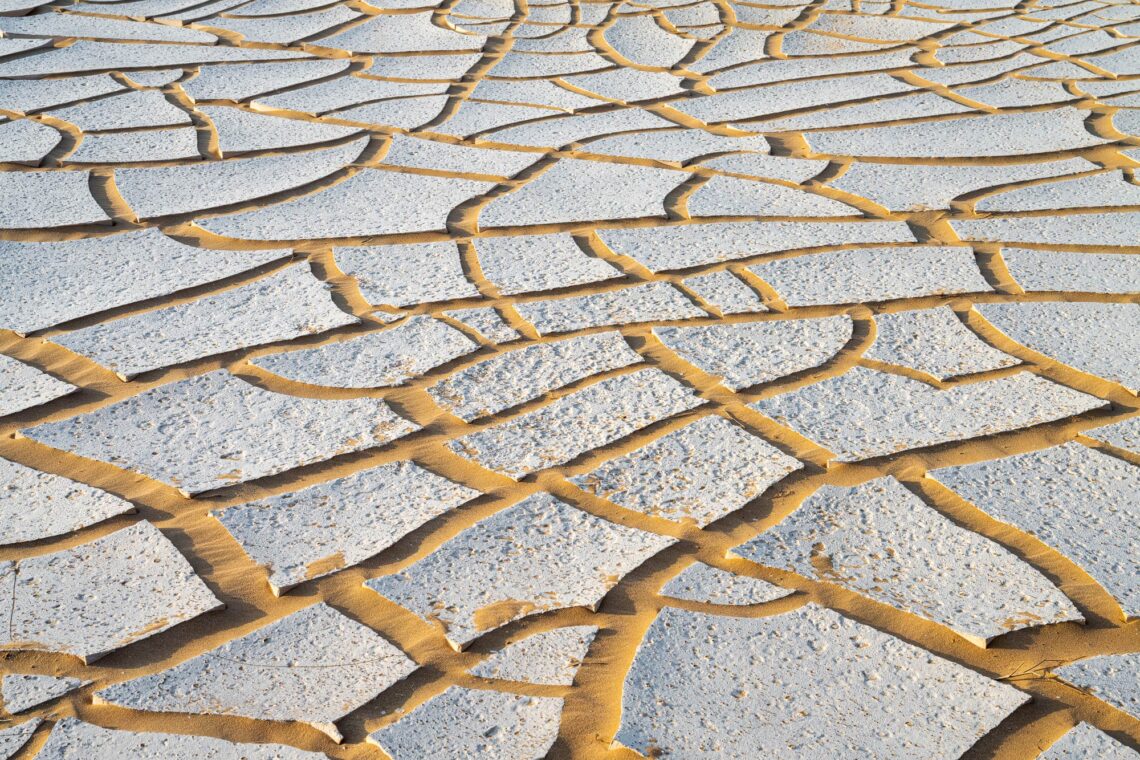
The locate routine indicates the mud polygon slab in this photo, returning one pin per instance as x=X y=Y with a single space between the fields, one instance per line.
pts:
x=147 y=108
x=933 y=341
x=744 y=354
x=1109 y=677
x=131 y=146
x=249 y=80
x=809 y=682
x=510 y=378
x=1004 y=134
x=735 y=196
x=1099 y=229
x=1087 y=743
x=15 y=737
x=27 y=95
x=215 y=430
x=403 y=33
x=72 y=737
x=1100 y=338
x=539 y=262
x=662 y=248
x=1073 y=272
x=1075 y=499
x=726 y=292
x=23 y=692
x=89 y=57
x=873 y=274
x=1124 y=435
x=47 y=199
x=430 y=154
x=74 y=25
x=575 y=191
x=864 y=413
x=26 y=142
x=487 y=322
x=375 y=360
x=699 y=473
x=36 y=505
x=537 y=555
x=651 y=302
x=579 y=422
x=97 y=597
x=551 y=657
x=914 y=187
x=314 y=666
x=285 y=305
x=318 y=530
x=702 y=583
x=371 y=202
x=486 y=724
x=22 y=386
x=242 y=131
x=194 y=187
x=48 y=283
x=881 y=540
x=407 y=273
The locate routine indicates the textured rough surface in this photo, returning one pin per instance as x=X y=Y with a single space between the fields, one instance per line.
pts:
x=540 y=554
x=97 y=597
x=726 y=292
x=23 y=692
x=47 y=199
x=72 y=737
x=881 y=540
x=486 y=321
x=23 y=386
x=863 y=413
x=662 y=248
x=744 y=355
x=935 y=342
x=1087 y=743
x=48 y=283
x=550 y=657
x=403 y=275
x=640 y=303
x=314 y=666
x=36 y=505
x=412 y=203
x=1100 y=338
x=1124 y=435
x=183 y=189
x=1074 y=499
x=511 y=378
x=15 y=737
x=290 y=303
x=484 y=724
x=872 y=274
x=1060 y=271
x=1110 y=677
x=572 y=425
x=215 y=430
x=810 y=682
x=375 y=360
x=701 y=472
x=319 y=530
x=647 y=258
x=701 y=583
x=539 y=262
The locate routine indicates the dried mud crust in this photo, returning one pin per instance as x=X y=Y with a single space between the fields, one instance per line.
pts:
x=505 y=379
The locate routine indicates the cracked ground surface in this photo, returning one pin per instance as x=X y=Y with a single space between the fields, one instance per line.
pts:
x=507 y=379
